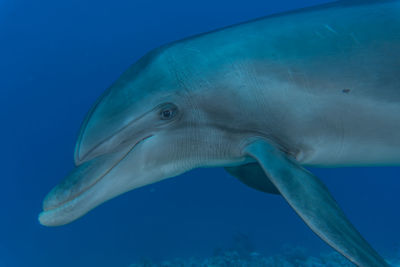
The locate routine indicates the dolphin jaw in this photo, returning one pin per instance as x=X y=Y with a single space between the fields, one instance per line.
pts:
x=59 y=206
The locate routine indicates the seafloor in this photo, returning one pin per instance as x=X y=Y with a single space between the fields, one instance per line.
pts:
x=243 y=255
x=232 y=258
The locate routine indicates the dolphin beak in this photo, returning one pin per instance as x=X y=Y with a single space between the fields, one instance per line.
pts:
x=94 y=182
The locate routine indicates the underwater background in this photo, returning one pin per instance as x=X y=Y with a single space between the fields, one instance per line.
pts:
x=56 y=58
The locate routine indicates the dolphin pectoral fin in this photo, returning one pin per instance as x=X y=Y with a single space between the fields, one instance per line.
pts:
x=252 y=175
x=311 y=200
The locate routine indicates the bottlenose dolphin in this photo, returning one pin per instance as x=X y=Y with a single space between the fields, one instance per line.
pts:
x=318 y=86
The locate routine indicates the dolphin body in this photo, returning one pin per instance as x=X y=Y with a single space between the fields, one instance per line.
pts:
x=313 y=87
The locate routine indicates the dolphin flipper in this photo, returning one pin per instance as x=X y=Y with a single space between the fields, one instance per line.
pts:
x=311 y=200
x=252 y=175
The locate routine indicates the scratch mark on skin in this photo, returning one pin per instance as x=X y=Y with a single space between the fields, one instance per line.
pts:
x=353 y=36
x=319 y=34
x=290 y=74
x=192 y=49
x=329 y=28
x=341 y=126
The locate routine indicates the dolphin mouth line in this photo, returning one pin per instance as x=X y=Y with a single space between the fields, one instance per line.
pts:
x=81 y=158
x=82 y=192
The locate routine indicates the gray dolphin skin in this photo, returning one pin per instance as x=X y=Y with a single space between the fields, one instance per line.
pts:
x=315 y=87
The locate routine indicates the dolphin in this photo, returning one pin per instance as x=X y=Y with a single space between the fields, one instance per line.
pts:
x=264 y=99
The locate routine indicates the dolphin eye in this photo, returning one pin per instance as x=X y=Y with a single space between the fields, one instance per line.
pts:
x=168 y=112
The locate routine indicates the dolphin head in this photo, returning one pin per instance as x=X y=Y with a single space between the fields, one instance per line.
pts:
x=145 y=128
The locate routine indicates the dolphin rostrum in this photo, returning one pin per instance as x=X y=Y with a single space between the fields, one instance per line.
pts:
x=318 y=86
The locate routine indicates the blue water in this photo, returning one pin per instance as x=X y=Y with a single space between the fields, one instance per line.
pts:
x=56 y=57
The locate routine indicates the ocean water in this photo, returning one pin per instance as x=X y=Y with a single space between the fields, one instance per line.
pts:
x=56 y=58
